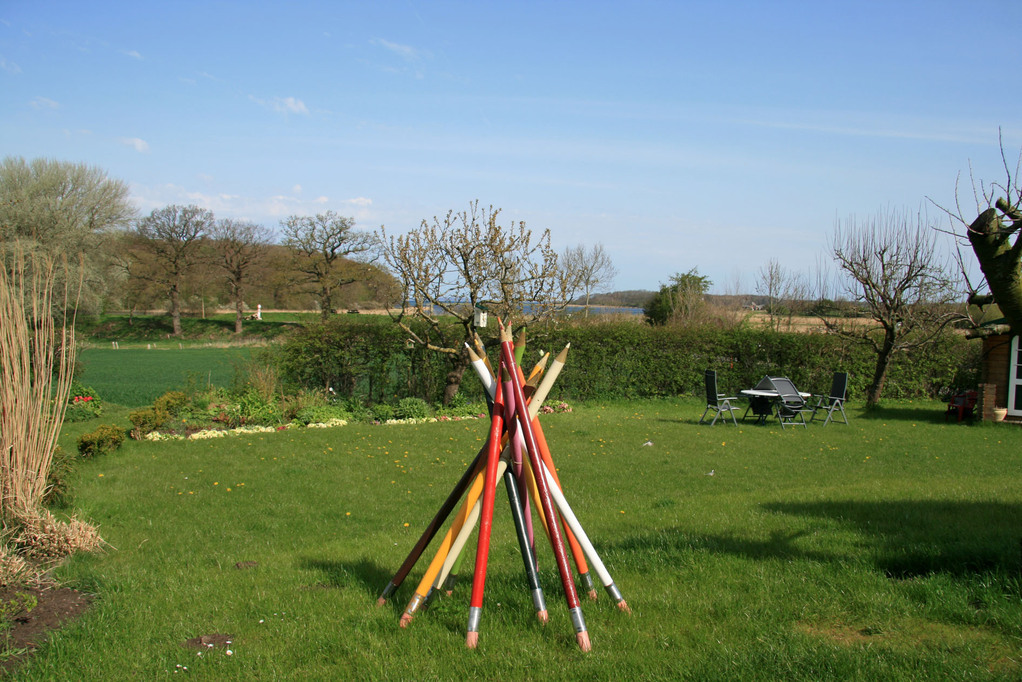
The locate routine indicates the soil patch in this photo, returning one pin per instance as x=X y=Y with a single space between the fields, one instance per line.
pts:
x=40 y=609
x=205 y=642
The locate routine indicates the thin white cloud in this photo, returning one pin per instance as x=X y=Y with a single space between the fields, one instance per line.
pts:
x=267 y=210
x=9 y=67
x=282 y=105
x=404 y=51
x=44 y=103
x=133 y=54
x=413 y=57
x=290 y=105
x=864 y=126
x=297 y=189
x=137 y=143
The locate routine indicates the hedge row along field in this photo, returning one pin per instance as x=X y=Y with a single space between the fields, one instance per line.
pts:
x=620 y=360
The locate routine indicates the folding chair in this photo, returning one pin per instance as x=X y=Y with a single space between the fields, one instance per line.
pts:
x=718 y=402
x=835 y=401
x=791 y=406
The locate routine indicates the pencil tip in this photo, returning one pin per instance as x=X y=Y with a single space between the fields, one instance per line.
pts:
x=544 y=616
x=405 y=620
x=583 y=641
x=472 y=640
x=624 y=606
x=593 y=594
x=381 y=601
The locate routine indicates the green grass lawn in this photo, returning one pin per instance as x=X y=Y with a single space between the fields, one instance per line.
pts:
x=137 y=376
x=885 y=549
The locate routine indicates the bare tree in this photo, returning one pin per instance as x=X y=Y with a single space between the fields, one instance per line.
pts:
x=467 y=262
x=324 y=246
x=169 y=239
x=64 y=209
x=995 y=236
x=236 y=247
x=591 y=266
x=770 y=283
x=894 y=268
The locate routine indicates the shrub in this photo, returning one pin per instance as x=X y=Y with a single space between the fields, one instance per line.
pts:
x=171 y=402
x=292 y=405
x=256 y=409
x=412 y=408
x=321 y=414
x=383 y=412
x=358 y=410
x=82 y=404
x=105 y=439
x=146 y=420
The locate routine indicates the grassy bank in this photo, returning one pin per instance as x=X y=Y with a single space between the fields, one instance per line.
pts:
x=886 y=549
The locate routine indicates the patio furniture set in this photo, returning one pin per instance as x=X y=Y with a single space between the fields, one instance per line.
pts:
x=777 y=396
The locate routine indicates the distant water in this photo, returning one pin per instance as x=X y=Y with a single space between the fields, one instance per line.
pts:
x=580 y=309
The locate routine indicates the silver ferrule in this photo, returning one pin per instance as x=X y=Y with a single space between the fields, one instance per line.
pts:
x=474 y=614
x=578 y=620
x=537 y=599
x=614 y=593
x=587 y=581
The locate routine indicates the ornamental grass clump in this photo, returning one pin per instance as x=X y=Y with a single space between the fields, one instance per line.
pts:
x=37 y=358
x=46 y=540
x=36 y=361
x=13 y=568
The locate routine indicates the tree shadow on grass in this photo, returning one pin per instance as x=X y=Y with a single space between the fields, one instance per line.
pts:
x=921 y=537
x=904 y=539
x=931 y=414
x=363 y=575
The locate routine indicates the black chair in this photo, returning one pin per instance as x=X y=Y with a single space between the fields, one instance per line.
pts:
x=835 y=401
x=792 y=408
x=717 y=402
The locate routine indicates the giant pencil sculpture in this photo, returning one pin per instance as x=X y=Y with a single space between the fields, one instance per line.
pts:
x=556 y=542
x=514 y=427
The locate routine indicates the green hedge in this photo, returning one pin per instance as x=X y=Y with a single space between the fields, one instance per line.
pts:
x=620 y=360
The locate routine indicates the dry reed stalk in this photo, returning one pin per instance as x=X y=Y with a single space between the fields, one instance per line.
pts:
x=36 y=362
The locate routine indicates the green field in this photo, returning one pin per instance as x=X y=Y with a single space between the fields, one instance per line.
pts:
x=137 y=376
x=885 y=549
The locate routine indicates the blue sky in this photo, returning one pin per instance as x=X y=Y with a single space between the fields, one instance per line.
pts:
x=715 y=135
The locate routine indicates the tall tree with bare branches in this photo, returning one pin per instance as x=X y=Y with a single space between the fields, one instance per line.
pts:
x=326 y=247
x=169 y=241
x=591 y=266
x=237 y=246
x=468 y=261
x=893 y=267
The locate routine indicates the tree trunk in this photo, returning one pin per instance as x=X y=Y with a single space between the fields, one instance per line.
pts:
x=239 y=314
x=459 y=365
x=880 y=373
x=999 y=260
x=175 y=310
x=326 y=303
